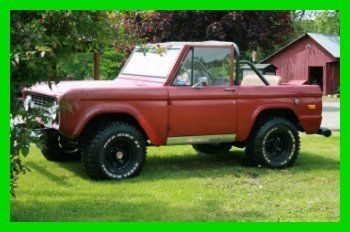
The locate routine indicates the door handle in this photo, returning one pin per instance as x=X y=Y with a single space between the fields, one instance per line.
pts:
x=231 y=90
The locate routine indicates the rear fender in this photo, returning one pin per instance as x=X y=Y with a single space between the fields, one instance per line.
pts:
x=244 y=129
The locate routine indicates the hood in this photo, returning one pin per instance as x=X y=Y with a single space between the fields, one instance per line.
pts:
x=63 y=87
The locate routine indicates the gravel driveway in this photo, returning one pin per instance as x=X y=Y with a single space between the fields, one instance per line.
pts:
x=331 y=115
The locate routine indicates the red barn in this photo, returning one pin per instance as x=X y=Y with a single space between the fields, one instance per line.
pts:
x=310 y=59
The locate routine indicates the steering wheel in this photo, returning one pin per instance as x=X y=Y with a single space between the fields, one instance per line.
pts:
x=204 y=70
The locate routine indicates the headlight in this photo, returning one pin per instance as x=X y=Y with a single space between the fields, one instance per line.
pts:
x=53 y=110
x=27 y=102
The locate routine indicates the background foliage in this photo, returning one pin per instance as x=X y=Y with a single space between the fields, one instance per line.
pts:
x=324 y=22
x=249 y=29
x=39 y=41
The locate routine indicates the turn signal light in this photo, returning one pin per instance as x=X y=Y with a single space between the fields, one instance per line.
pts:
x=312 y=106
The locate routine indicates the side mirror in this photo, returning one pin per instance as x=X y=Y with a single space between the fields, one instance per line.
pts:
x=202 y=81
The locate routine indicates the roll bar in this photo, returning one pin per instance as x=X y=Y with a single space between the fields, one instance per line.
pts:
x=252 y=66
x=238 y=64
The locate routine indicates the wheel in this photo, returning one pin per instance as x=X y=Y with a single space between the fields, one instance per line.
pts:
x=116 y=151
x=212 y=149
x=274 y=143
x=55 y=148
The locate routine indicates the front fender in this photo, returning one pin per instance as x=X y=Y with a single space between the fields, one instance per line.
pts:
x=151 y=115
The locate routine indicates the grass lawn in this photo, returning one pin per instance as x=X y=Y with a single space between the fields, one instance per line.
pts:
x=179 y=185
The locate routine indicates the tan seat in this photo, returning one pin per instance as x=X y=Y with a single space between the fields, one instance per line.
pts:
x=253 y=80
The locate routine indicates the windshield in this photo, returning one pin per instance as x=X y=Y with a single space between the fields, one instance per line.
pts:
x=151 y=64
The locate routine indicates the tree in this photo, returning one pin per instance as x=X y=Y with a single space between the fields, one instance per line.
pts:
x=323 y=22
x=327 y=22
x=249 y=29
x=112 y=56
x=39 y=40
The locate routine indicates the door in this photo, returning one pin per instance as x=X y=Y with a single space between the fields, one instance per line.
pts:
x=202 y=100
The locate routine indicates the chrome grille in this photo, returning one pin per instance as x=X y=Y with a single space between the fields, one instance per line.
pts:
x=42 y=102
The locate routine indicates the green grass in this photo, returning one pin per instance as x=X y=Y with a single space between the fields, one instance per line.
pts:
x=179 y=185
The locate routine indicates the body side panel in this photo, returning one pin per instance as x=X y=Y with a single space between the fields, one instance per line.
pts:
x=251 y=101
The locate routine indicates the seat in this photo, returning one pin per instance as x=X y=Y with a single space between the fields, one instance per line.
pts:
x=253 y=80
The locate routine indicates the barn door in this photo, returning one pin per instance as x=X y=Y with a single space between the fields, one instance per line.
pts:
x=316 y=76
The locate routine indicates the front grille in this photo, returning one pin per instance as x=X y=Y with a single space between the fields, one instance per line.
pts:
x=42 y=102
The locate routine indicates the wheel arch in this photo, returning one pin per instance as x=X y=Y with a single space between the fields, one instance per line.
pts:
x=100 y=119
x=265 y=112
x=283 y=112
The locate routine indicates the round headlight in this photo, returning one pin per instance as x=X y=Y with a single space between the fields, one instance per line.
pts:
x=53 y=110
x=27 y=102
x=53 y=116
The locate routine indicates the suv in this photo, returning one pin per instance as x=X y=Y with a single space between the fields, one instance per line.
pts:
x=189 y=93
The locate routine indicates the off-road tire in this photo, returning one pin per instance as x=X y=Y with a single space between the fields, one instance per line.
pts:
x=52 y=150
x=100 y=152
x=274 y=143
x=212 y=149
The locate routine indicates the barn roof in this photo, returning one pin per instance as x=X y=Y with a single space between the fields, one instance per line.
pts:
x=331 y=43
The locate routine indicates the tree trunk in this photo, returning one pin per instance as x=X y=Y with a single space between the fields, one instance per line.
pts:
x=96 y=66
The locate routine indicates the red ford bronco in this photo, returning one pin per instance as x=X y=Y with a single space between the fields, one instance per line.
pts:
x=191 y=93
